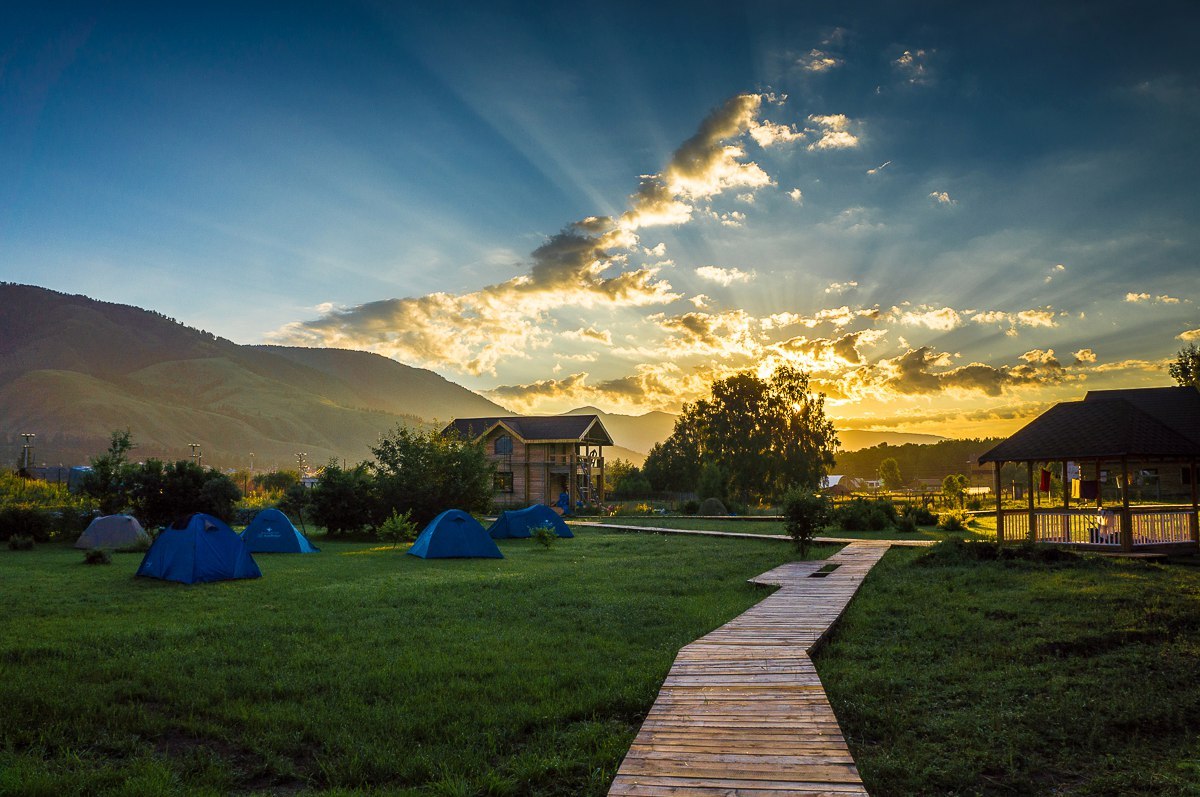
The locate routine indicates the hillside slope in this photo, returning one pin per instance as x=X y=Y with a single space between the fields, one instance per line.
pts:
x=72 y=369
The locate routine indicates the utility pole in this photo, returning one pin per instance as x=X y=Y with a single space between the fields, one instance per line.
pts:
x=27 y=452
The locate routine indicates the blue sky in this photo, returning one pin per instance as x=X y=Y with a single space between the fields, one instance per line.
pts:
x=950 y=214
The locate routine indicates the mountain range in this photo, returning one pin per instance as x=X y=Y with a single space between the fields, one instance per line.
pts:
x=74 y=369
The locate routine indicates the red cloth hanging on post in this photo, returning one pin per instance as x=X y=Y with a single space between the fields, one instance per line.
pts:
x=1045 y=485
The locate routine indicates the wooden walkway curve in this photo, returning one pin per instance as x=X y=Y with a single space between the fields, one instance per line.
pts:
x=742 y=711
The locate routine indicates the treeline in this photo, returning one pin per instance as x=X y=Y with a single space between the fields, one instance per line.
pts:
x=916 y=461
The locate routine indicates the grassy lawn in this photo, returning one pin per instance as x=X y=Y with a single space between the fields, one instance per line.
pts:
x=1003 y=678
x=357 y=670
x=776 y=527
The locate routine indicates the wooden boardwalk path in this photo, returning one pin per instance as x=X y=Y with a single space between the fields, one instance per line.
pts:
x=742 y=711
x=922 y=543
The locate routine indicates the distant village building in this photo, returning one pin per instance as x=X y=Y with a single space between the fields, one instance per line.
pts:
x=540 y=457
x=839 y=485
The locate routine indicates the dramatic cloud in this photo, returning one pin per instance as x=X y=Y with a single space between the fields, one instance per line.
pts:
x=913 y=67
x=1084 y=357
x=1191 y=334
x=723 y=276
x=582 y=266
x=826 y=355
x=841 y=287
x=943 y=319
x=590 y=334
x=723 y=335
x=1054 y=272
x=818 y=61
x=942 y=198
x=913 y=373
x=1037 y=317
x=1145 y=297
x=879 y=168
x=837 y=316
x=797 y=196
x=833 y=131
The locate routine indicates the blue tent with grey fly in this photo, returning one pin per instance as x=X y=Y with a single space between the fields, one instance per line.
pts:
x=454 y=535
x=521 y=522
x=271 y=532
x=198 y=548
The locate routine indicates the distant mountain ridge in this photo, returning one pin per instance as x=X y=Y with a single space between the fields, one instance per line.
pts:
x=73 y=369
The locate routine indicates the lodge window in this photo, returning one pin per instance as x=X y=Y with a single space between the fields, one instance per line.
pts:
x=502 y=482
x=1187 y=475
x=503 y=445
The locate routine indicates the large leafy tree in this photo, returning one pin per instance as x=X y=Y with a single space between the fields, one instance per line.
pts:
x=161 y=492
x=766 y=435
x=425 y=472
x=1186 y=368
x=340 y=499
x=889 y=474
x=109 y=480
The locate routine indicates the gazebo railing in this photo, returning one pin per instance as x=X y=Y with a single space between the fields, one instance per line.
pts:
x=1158 y=526
x=1161 y=526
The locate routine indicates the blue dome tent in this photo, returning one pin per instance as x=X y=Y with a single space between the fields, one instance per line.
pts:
x=198 y=548
x=454 y=534
x=520 y=522
x=271 y=532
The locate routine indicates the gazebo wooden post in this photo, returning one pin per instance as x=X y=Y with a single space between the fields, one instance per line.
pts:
x=1032 y=511
x=1066 y=488
x=1126 y=515
x=1194 y=521
x=1000 y=502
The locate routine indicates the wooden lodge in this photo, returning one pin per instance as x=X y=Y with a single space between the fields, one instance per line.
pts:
x=1110 y=445
x=538 y=458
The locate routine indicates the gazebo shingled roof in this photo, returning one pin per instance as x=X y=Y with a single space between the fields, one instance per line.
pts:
x=1154 y=423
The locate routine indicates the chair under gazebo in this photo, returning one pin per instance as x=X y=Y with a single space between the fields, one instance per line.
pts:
x=1115 y=439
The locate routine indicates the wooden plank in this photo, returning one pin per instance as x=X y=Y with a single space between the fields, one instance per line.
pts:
x=742 y=711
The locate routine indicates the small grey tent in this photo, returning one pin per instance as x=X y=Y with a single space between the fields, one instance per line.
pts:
x=113 y=531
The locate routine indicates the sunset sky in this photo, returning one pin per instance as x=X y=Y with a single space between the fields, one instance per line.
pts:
x=950 y=214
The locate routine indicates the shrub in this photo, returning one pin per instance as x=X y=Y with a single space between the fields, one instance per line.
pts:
x=851 y=516
x=975 y=504
x=712 y=506
x=691 y=507
x=736 y=508
x=805 y=513
x=97 y=556
x=25 y=521
x=906 y=525
x=19 y=542
x=877 y=519
x=398 y=528
x=544 y=534
x=954 y=520
x=920 y=515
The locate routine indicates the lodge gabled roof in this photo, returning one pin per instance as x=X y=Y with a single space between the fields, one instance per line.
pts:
x=537 y=428
x=1155 y=423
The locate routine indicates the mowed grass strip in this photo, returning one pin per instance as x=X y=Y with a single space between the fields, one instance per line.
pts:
x=358 y=669
x=984 y=527
x=1017 y=677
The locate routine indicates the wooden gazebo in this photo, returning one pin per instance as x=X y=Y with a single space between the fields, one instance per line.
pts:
x=1114 y=437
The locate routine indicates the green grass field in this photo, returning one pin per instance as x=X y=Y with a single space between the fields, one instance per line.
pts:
x=985 y=527
x=357 y=670
x=1003 y=678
